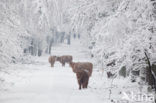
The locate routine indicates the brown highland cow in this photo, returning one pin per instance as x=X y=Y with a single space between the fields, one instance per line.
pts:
x=65 y=59
x=52 y=60
x=83 y=71
x=82 y=78
x=79 y=66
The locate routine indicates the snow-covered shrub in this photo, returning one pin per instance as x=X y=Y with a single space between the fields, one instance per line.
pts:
x=123 y=37
x=12 y=34
x=18 y=18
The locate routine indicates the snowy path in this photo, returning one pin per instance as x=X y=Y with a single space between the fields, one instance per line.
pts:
x=42 y=84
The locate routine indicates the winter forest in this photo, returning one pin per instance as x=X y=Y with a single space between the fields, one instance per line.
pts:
x=77 y=51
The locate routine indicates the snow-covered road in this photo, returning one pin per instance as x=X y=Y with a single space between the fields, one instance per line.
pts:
x=39 y=83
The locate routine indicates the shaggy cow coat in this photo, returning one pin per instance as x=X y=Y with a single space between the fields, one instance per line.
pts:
x=82 y=78
x=83 y=71
x=65 y=59
x=52 y=60
x=79 y=66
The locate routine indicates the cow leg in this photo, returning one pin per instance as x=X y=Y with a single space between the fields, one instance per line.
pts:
x=86 y=85
x=79 y=86
x=83 y=85
x=83 y=82
x=63 y=63
x=87 y=82
x=79 y=82
x=52 y=65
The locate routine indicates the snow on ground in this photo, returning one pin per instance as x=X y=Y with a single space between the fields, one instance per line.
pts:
x=39 y=83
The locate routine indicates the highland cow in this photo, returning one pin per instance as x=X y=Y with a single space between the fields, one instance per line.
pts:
x=79 y=66
x=82 y=78
x=52 y=60
x=65 y=59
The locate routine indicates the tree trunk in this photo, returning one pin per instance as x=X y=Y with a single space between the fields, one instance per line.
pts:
x=151 y=80
x=68 y=40
x=79 y=36
x=50 y=45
